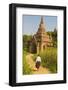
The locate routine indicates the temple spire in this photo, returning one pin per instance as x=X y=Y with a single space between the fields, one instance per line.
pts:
x=41 y=28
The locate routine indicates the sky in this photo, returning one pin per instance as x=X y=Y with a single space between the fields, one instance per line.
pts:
x=31 y=23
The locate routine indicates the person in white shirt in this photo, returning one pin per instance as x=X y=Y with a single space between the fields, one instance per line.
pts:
x=38 y=62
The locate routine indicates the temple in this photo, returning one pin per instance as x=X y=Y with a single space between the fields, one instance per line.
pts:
x=40 y=40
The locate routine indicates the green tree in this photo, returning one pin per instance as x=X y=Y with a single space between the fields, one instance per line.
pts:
x=26 y=40
x=53 y=34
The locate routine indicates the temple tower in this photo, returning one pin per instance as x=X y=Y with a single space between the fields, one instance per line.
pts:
x=40 y=35
x=40 y=40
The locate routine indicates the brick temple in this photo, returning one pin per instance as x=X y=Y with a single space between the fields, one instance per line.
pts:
x=41 y=39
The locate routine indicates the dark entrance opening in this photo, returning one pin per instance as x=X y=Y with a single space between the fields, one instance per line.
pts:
x=34 y=48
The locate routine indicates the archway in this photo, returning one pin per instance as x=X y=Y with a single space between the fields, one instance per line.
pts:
x=34 y=48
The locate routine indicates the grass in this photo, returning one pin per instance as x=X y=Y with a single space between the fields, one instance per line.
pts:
x=49 y=59
x=26 y=68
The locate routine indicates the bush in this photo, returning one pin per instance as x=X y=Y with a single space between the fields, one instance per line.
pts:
x=26 y=68
x=49 y=59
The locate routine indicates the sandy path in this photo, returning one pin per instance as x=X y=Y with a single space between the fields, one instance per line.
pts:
x=31 y=63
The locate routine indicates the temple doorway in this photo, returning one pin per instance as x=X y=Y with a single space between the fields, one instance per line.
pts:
x=34 y=48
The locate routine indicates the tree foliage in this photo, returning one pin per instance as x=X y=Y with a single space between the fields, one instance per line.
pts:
x=53 y=34
x=26 y=40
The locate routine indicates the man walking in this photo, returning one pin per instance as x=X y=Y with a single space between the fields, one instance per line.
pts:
x=38 y=62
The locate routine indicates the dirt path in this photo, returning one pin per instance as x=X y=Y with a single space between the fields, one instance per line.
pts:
x=31 y=63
